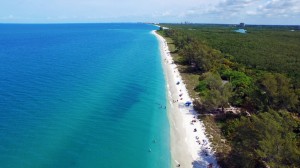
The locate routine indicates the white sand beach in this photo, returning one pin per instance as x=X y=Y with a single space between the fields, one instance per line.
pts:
x=190 y=147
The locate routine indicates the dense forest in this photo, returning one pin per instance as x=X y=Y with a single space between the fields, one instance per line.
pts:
x=257 y=72
x=273 y=49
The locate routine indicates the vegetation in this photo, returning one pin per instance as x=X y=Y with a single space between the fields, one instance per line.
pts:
x=257 y=72
x=213 y=92
x=263 y=139
x=255 y=49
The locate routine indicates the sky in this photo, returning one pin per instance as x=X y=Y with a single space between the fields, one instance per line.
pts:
x=158 y=11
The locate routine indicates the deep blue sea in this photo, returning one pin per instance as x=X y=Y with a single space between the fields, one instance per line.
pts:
x=82 y=95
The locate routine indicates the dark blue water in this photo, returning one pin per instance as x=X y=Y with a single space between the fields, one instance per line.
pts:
x=82 y=95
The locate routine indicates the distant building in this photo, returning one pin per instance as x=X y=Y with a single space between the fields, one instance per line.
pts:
x=242 y=25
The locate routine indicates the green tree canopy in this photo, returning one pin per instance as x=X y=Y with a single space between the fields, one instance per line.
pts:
x=278 y=91
x=265 y=138
x=214 y=91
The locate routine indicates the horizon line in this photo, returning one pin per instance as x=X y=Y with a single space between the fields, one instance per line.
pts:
x=156 y=23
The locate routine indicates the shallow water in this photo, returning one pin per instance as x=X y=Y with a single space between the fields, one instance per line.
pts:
x=82 y=95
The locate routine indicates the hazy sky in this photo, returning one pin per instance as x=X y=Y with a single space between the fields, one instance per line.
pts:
x=201 y=11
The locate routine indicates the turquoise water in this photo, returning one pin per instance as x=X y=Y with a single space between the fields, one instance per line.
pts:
x=243 y=31
x=82 y=95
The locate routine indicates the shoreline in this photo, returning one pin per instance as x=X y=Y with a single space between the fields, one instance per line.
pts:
x=189 y=145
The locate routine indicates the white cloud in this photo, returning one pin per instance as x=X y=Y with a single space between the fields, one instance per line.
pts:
x=281 y=8
x=217 y=11
x=239 y=10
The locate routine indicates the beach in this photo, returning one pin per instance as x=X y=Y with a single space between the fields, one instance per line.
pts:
x=190 y=146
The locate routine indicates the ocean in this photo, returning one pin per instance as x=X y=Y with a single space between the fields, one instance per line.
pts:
x=82 y=95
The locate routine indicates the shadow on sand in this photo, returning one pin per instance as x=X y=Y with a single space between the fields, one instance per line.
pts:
x=207 y=160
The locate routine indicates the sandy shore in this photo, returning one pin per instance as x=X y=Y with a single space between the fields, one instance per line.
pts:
x=190 y=146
